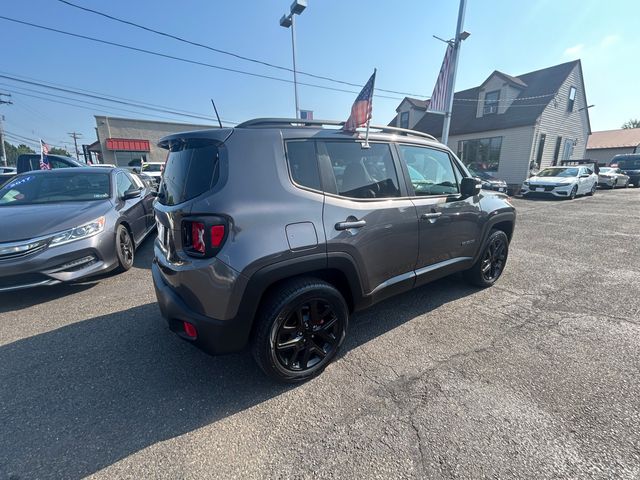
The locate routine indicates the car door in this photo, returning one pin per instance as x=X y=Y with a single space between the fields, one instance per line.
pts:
x=367 y=216
x=132 y=209
x=449 y=226
x=147 y=198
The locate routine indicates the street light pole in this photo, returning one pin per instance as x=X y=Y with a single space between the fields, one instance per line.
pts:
x=454 y=67
x=295 y=73
x=288 y=21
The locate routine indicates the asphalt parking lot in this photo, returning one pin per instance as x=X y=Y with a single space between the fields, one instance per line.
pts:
x=534 y=378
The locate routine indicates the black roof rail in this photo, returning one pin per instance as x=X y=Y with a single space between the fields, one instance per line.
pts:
x=298 y=122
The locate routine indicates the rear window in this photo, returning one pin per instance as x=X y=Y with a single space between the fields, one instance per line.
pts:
x=191 y=169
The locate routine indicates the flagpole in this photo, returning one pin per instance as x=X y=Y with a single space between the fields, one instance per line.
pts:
x=452 y=81
x=366 y=135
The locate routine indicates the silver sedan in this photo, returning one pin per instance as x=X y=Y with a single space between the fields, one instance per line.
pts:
x=612 y=177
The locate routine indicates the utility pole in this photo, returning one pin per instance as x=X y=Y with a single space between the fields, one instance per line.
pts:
x=75 y=137
x=454 y=66
x=4 y=152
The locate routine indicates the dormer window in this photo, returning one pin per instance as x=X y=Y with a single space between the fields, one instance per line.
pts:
x=404 y=120
x=491 y=100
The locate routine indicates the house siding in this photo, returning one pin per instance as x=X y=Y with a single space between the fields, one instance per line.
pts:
x=604 y=155
x=557 y=121
x=515 y=153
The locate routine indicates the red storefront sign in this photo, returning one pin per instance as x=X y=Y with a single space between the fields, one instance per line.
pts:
x=127 y=144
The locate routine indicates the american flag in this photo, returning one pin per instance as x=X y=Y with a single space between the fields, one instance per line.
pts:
x=361 y=108
x=438 y=102
x=44 y=151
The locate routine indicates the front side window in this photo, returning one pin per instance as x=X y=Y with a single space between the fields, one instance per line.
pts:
x=404 y=120
x=481 y=154
x=123 y=183
x=572 y=99
x=430 y=170
x=303 y=163
x=491 y=100
x=362 y=172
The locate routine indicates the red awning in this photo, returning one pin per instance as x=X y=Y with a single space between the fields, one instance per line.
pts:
x=128 y=144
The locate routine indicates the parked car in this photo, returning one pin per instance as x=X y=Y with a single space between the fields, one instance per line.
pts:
x=321 y=228
x=8 y=170
x=153 y=169
x=488 y=181
x=68 y=224
x=629 y=164
x=28 y=162
x=612 y=177
x=561 y=182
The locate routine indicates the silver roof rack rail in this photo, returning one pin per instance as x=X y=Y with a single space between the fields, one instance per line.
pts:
x=298 y=122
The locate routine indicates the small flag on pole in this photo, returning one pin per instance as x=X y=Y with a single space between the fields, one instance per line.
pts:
x=44 y=151
x=361 y=108
x=438 y=101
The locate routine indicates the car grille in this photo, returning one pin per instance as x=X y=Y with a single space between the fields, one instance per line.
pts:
x=540 y=188
x=21 y=249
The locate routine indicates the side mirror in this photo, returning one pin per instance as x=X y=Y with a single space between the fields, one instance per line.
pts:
x=132 y=193
x=470 y=187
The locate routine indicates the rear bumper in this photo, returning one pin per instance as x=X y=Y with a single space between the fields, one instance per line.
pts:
x=214 y=336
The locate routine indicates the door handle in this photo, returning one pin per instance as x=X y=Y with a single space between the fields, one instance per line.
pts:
x=348 y=225
x=430 y=216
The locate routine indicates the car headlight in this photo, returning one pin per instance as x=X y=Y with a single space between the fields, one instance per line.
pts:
x=525 y=183
x=78 y=233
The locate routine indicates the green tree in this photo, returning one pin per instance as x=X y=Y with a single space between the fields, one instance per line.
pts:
x=59 y=151
x=633 y=123
x=13 y=152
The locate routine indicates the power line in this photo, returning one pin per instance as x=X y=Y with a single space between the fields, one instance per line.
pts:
x=184 y=60
x=225 y=52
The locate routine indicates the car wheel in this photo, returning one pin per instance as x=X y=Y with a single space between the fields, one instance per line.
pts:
x=125 y=249
x=490 y=265
x=574 y=192
x=299 y=329
x=626 y=184
x=593 y=190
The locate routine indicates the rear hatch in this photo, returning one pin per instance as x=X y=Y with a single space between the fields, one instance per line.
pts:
x=191 y=170
x=630 y=165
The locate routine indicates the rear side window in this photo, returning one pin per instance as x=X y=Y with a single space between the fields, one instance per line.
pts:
x=362 y=172
x=191 y=169
x=303 y=163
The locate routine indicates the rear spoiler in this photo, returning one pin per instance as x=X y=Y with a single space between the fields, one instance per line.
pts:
x=217 y=135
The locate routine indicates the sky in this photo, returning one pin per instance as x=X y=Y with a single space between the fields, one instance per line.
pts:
x=344 y=40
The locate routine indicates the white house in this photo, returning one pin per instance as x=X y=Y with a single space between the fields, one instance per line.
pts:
x=507 y=124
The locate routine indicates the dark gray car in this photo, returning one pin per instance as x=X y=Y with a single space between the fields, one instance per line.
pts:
x=67 y=224
x=273 y=232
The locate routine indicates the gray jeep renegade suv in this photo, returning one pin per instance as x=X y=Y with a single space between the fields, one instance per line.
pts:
x=273 y=232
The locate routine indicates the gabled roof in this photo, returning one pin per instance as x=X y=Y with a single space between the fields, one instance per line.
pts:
x=629 y=137
x=415 y=103
x=541 y=83
x=508 y=78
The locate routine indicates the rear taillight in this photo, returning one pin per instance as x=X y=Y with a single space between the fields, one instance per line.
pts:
x=203 y=237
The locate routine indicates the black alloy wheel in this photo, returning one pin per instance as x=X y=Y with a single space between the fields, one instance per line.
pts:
x=492 y=261
x=306 y=335
x=299 y=329
x=125 y=249
x=614 y=184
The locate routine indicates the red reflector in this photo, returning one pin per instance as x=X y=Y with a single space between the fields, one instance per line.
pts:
x=197 y=236
x=190 y=330
x=217 y=234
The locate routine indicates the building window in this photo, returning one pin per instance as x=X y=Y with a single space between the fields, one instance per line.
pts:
x=481 y=154
x=556 y=152
x=572 y=99
x=491 y=100
x=404 y=120
x=541 y=142
x=568 y=150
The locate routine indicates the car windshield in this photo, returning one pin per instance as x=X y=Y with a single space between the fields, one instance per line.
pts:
x=55 y=187
x=152 y=167
x=558 y=172
x=607 y=170
x=628 y=163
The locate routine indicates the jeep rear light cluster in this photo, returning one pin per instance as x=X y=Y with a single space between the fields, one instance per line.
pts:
x=203 y=237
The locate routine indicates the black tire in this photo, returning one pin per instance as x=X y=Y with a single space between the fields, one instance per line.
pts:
x=593 y=190
x=626 y=185
x=636 y=184
x=614 y=184
x=574 y=192
x=491 y=262
x=125 y=249
x=299 y=329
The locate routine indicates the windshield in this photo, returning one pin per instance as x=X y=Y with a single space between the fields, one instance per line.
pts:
x=628 y=163
x=607 y=170
x=152 y=167
x=558 y=172
x=55 y=187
